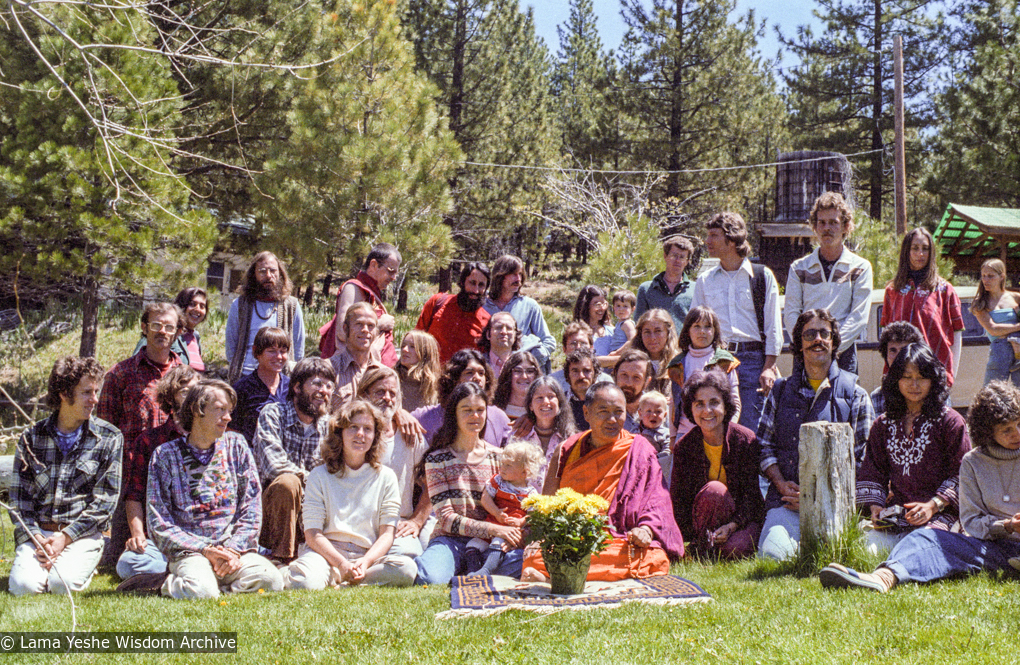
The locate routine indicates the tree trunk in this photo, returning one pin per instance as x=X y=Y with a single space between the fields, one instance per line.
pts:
x=90 y=313
x=876 y=119
x=309 y=292
x=445 y=279
x=676 y=118
x=327 y=283
x=827 y=479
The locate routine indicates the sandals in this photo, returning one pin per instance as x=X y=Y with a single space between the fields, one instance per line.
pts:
x=835 y=576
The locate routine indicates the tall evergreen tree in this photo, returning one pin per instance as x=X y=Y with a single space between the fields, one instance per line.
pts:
x=699 y=96
x=493 y=78
x=841 y=96
x=87 y=196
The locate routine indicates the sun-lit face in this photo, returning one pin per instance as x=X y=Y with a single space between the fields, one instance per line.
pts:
x=1007 y=435
x=708 y=409
x=829 y=230
x=502 y=330
x=160 y=331
x=515 y=473
x=914 y=387
x=596 y=310
x=632 y=378
x=578 y=341
x=622 y=310
x=521 y=378
x=992 y=280
x=384 y=273
x=702 y=333
x=267 y=271
x=580 y=377
x=409 y=357
x=920 y=252
x=652 y=414
x=545 y=405
x=214 y=423
x=273 y=358
x=816 y=342
x=606 y=416
x=474 y=373
x=384 y=393
x=471 y=414
x=361 y=331
x=677 y=261
x=654 y=335
x=195 y=312
x=716 y=243
x=85 y=397
x=512 y=284
x=357 y=439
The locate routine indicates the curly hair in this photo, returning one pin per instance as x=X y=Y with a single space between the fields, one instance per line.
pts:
x=199 y=397
x=504 y=384
x=929 y=367
x=575 y=328
x=65 y=376
x=307 y=369
x=455 y=366
x=171 y=384
x=833 y=201
x=332 y=447
x=714 y=379
x=485 y=343
x=995 y=404
x=898 y=331
x=796 y=339
x=523 y=452
x=250 y=287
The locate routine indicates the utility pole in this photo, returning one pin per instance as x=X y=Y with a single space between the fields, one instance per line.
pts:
x=900 y=176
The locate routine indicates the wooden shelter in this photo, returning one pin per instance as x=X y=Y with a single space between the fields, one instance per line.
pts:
x=970 y=235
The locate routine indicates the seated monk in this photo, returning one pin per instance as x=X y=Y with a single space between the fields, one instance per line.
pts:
x=622 y=468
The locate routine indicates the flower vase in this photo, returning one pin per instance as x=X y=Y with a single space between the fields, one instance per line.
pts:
x=567 y=578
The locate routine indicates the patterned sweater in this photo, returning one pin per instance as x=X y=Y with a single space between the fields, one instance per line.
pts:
x=456 y=491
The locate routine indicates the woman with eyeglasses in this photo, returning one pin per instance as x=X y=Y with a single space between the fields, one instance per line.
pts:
x=519 y=371
x=910 y=476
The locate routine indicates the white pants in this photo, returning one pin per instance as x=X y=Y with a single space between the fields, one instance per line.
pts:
x=311 y=570
x=76 y=565
x=880 y=542
x=193 y=578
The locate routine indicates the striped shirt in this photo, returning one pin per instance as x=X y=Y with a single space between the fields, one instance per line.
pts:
x=456 y=487
x=284 y=444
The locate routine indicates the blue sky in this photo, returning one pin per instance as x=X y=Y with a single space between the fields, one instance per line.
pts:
x=788 y=14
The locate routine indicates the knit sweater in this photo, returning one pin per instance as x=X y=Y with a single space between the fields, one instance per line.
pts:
x=352 y=508
x=989 y=491
x=456 y=487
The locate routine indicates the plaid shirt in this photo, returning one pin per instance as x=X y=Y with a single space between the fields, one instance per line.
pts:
x=224 y=509
x=128 y=400
x=137 y=454
x=283 y=445
x=79 y=488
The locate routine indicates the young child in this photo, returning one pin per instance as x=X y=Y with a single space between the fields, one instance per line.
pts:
x=623 y=309
x=519 y=462
x=701 y=348
x=653 y=408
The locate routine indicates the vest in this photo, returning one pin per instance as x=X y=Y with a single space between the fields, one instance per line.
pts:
x=796 y=404
x=245 y=307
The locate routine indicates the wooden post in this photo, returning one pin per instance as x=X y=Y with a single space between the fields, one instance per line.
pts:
x=827 y=478
x=900 y=177
x=6 y=472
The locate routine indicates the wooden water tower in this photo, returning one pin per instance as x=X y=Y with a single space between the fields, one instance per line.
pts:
x=801 y=177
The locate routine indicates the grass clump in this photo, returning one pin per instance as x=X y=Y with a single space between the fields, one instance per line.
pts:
x=848 y=547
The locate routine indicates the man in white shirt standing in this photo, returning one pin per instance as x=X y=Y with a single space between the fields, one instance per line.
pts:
x=745 y=297
x=832 y=278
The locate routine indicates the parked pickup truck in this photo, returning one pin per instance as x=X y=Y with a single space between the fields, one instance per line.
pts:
x=970 y=378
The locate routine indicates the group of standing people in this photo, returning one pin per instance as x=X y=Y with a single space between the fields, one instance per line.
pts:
x=386 y=464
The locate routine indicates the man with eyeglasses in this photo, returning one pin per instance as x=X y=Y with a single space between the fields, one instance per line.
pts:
x=821 y=391
x=286 y=449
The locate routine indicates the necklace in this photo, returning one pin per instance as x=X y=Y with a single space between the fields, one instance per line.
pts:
x=270 y=314
x=1012 y=471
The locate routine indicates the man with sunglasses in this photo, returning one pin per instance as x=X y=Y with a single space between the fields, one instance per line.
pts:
x=820 y=391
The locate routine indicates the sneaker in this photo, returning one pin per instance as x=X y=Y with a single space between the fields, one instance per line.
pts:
x=835 y=576
x=144 y=583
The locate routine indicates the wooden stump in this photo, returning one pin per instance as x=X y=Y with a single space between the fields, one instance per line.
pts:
x=827 y=479
x=6 y=472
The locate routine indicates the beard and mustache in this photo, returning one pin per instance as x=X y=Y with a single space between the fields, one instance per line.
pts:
x=630 y=394
x=303 y=404
x=468 y=301
x=269 y=292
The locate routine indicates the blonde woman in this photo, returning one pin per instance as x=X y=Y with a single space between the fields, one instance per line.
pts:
x=419 y=369
x=995 y=308
x=657 y=337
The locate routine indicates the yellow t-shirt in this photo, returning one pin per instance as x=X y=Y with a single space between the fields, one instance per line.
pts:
x=715 y=467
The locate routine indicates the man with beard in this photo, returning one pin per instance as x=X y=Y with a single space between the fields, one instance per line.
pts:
x=821 y=391
x=286 y=448
x=580 y=368
x=265 y=301
x=832 y=278
x=500 y=338
x=633 y=373
x=351 y=360
x=381 y=387
x=381 y=267
x=457 y=321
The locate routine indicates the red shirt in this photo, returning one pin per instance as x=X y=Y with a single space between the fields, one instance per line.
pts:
x=138 y=453
x=937 y=314
x=128 y=400
x=453 y=328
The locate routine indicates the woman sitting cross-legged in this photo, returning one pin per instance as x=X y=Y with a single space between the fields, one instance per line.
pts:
x=716 y=498
x=912 y=463
x=989 y=508
x=457 y=467
x=350 y=510
x=205 y=504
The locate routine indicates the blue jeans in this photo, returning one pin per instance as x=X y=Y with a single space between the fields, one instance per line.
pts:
x=445 y=558
x=749 y=375
x=1000 y=358
x=780 y=535
x=926 y=555
x=150 y=561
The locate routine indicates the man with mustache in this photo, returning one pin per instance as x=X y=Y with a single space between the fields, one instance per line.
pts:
x=820 y=391
x=832 y=278
x=457 y=321
x=265 y=301
x=286 y=449
x=633 y=373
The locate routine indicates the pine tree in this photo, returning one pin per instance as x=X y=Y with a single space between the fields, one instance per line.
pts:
x=87 y=197
x=699 y=96
x=841 y=97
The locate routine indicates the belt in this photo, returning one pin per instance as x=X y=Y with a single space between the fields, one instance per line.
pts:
x=740 y=347
x=54 y=526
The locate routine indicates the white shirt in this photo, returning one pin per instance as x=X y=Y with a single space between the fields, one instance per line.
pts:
x=402 y=459
x=729 y=296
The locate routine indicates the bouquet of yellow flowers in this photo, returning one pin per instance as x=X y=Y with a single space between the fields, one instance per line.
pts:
x=569 y=525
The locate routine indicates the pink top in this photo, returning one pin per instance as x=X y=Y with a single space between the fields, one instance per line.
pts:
x=194 y=354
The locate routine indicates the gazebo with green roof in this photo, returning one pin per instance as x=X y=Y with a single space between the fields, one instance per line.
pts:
x=971 y=235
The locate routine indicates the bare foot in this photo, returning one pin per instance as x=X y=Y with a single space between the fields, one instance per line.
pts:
x=532 y=575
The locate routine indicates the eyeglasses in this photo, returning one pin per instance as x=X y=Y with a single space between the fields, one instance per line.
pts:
x=814 y=333
x=319 y=384
x=524 y=371
x=161 y=327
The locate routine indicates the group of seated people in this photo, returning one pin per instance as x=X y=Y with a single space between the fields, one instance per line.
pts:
x=378 y=464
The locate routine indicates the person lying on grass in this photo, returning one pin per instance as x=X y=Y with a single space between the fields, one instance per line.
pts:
x=989 y=508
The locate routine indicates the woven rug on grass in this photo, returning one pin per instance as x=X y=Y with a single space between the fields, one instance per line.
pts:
x=485 y=596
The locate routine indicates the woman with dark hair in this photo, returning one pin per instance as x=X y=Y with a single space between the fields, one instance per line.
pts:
x=912 y=462
x=456 y=468
x=350 y=510
x=592 y=308
x=918 y=295
x=467 y=365
x=193 y=302
x=717 y=502
x=520 y=370
x=989 y=508
x=547 y=407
